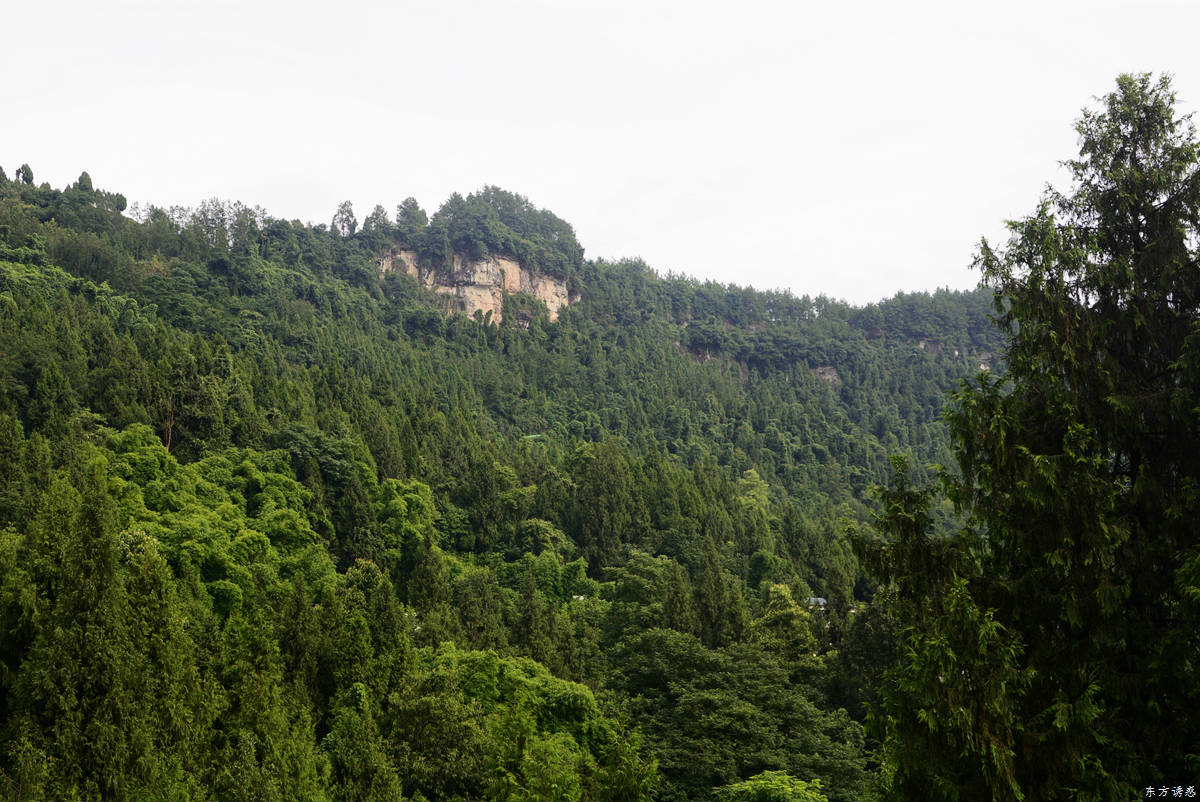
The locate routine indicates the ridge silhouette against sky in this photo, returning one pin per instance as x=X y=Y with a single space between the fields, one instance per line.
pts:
x=854 y=149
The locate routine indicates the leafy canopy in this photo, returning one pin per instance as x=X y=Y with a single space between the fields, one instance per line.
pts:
x=1050 y=645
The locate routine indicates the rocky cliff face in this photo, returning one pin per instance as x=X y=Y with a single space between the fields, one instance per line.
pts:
x=481 y=285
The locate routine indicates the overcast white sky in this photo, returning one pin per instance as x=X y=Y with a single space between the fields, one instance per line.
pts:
x=852 y=149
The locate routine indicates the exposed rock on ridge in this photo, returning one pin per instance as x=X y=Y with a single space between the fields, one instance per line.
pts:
x=481 y=285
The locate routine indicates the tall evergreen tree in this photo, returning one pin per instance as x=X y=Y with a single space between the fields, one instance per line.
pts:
x=712 y=599
x=1063 y=623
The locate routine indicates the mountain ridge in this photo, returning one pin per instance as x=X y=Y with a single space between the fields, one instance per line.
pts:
x=414 y=523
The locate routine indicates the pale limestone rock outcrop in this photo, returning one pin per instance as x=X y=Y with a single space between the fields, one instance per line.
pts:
x=552 y=292
x=403 y=260
x=481 y=285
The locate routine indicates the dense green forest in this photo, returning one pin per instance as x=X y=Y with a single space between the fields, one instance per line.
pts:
x=275 y=526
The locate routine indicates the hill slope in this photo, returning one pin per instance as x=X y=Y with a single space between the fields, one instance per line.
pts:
x=367 y=548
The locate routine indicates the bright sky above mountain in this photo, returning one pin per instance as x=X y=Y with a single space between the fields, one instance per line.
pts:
x=851 y=149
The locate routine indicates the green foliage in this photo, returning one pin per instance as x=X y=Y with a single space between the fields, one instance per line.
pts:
x=1058 y=622
x=495 y=222
x=274 y=527
x=714 y=716
x=344 y=221
x=410 y=221
x=771 y=786
x=480 y=726
x=361 y=769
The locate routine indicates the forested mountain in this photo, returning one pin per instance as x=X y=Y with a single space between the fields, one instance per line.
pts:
x=274 y=525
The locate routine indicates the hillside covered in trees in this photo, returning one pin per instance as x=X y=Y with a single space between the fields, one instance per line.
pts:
x=274 y=525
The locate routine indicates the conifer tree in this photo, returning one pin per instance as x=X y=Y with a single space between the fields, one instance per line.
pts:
x=712 y=600
x=532 y=628
x=679 y=604
x=1051 y=645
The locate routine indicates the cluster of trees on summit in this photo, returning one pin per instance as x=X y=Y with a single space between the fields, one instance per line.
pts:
x=491 y=221
x=273 y=525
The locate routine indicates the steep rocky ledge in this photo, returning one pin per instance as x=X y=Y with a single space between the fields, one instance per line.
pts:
x=481 y=285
